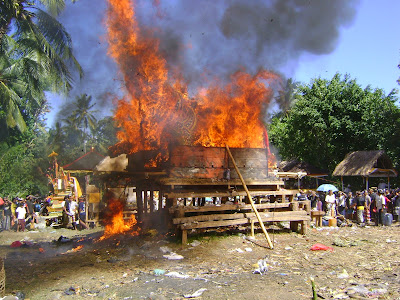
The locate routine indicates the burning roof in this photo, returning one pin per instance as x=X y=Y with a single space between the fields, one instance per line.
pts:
x=157 y=110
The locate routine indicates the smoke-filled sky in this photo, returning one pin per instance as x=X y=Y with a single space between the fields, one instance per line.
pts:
x=302 y=39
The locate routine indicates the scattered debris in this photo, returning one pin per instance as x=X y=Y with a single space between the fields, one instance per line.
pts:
x=262 y=267
x=197 y=293
x=176 y=275
x=343 y=275
x=159 y=272
x=345 y=243
x=173 y=256
x=165 y=249
x=195 y=243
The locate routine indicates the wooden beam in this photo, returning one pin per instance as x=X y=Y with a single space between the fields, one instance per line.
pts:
x=227 y=207
x=208 y=182
x=250 y=198
x=228 y=193
x=287 y=218
x=210 y=224
x=277 y=214
x=201 y=218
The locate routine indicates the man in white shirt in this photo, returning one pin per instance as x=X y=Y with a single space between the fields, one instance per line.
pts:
x=380 y=205
x=73 y=211
x=21 y=214
x=330 y=200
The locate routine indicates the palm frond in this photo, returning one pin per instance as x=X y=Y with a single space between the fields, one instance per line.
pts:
x=9 y=102
x=55 y=7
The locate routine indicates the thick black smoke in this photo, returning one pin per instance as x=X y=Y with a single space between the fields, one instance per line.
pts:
x=211 y=38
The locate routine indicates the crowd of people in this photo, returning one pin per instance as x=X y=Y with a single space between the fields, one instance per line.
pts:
x=18 y=213
x=362 y=206
x=74 y=213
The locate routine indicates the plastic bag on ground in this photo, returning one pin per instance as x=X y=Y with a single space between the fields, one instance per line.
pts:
x=319 y=246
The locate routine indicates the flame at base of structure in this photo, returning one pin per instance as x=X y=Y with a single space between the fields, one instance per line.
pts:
x=116 y=223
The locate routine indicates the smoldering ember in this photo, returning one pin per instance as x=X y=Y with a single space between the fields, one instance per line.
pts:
x=188 y=198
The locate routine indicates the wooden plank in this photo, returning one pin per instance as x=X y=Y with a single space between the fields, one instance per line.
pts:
x=227 y=193
x=283 y=218
x=277 y=214
x=242 y=221
x=203 y=218
x=210 y=224
x=196 y=181
x=239 y=207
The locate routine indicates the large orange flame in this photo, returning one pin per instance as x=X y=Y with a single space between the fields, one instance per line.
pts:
x=116 y=223
x=157 y=109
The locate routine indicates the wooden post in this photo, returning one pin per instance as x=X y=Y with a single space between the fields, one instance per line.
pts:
x=252 y=228
x=184 y=236
x=294 y=225
x=139 y=204
x=151 y=200
x=250 y=199
x=160 y=199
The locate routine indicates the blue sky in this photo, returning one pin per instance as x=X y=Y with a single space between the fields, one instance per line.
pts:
x=365 y=45
x=368 y=50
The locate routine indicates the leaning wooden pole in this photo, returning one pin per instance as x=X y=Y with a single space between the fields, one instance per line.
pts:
x=250 y=198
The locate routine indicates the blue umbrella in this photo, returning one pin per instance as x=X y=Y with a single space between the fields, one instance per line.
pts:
x=327 y=187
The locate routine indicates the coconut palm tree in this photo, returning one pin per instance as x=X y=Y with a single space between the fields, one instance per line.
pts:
x=35 y=56
x=83 y=115
x=285 y=97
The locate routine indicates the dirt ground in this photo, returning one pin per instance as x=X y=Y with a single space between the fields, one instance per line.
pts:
x=364 y=264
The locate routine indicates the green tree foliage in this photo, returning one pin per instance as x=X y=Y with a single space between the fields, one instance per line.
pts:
x=35 y=56
x=331 y=118
x=286 y=93
x=80 y=130
x=23 y=164
x=83 y=115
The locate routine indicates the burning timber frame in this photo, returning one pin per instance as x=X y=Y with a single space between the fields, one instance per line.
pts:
x=193 y=176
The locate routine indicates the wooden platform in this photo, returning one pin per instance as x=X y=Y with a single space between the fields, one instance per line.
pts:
x=192 y=217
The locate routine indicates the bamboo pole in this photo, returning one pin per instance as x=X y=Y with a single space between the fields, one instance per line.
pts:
x=250 y=199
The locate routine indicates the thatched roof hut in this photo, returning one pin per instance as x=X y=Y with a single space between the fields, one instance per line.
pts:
x=289 y=169
x=366 y=164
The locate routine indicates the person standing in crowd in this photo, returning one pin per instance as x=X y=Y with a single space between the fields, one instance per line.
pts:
x=350 y=206
x=73 y=211
x=367 y=198
x=342 y=204
x=302 y=196
x=373 y=212
x=330 y=200
x=380 y=208
x=29 y=210
x=1 y=213
x=82 y=213
x=314 y=200
x=396 y=204
x=21 y=214
x=65 y=205
x=7 y=215
x=13 y=209
x=360 y=204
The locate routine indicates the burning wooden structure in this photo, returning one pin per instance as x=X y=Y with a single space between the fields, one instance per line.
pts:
x=198 y=187
x=173 y=134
